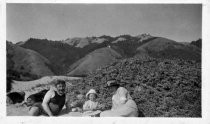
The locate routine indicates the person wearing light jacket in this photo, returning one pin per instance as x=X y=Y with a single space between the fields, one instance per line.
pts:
x=122 y=103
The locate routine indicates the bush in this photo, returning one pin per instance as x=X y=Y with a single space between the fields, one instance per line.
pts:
x=160 y=87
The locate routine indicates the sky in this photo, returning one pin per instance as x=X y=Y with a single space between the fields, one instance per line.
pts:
x=179 y=22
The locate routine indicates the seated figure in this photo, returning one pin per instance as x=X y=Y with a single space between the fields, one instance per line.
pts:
x=91 y=107
x=77 y=104
x=53 y=101
x=122 y=103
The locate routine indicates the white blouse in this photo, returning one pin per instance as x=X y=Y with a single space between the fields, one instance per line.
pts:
x=90 y=105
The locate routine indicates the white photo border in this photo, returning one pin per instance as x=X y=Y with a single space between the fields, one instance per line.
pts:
x=114 y=120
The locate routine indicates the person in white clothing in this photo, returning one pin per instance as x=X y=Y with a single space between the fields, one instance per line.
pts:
x=122 y=103
x=91 y=107
x=91 y=104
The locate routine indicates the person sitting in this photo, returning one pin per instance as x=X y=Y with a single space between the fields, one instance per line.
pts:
x=53 y=101
x=91 y=107
x=122 y=103
x=35 y=98
x=77 y=104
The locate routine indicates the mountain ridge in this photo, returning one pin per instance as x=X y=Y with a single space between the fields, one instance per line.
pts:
x=25 y=64
x=66 y=55
x=96 y=59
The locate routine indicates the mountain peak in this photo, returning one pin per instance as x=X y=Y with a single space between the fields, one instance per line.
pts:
x=144 y=36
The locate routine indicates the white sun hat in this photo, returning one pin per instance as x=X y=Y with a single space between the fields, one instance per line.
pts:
x=91 y=91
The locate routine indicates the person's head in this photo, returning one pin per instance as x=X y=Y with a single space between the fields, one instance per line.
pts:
x=112 y=85
x=80 y=96
x=30 y=100
x=91 y=95
x=60 y=86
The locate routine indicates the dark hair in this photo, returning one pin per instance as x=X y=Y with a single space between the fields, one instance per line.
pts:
x=114 y=84
x=59 y=82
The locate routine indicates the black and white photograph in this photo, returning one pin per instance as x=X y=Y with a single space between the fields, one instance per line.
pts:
x=104 y=60
x=96 y=60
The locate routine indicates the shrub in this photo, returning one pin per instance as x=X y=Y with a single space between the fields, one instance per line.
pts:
x=160 y=87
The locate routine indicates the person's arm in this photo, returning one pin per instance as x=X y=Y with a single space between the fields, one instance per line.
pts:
x=114 y=103
x=46 y=100
x=112 y=106
x=100 y=106
x=122 y=92
x=85 y=106
x=67 y=104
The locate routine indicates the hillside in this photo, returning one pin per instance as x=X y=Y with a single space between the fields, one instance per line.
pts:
x=163 y=76
x=82 y=42
x=93 y=60
x=66 y=55
x=61 y=55
x=169 y=49
x=128 y=44
x=27 y=61
x=25 y=64
x=197 y=43
x=160 y=87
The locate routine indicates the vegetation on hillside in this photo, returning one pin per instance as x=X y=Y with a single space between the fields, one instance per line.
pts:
x=61 y=55
x=197 y=43
x=24 y=64
x=96 y=59
x=168 y=85
x=130 y=45
x=160 y=87
x=168 y=49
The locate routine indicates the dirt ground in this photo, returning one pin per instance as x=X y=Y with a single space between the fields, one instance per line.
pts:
x=18 y=110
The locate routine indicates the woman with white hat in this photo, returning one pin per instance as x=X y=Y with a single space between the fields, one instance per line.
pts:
x=122 y=103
